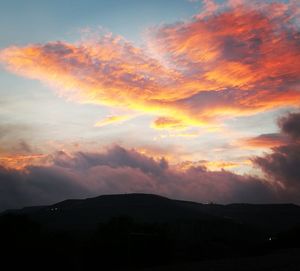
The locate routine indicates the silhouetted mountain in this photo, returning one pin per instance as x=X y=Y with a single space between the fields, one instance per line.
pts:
x=121 y=232
x=270 y=217
x=87 y=213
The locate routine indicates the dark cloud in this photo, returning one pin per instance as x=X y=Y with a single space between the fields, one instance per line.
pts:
x=283 y=163
x=36 y=186
x=119 y=170
x=115 y=157
x=290 y=125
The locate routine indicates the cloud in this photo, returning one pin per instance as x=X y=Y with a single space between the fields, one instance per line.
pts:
x=107 y=71
x=14 y=138
x=265 y=141
x=119 y=170
x=217 y=165
x=114 y=157
x=15 y=149
x=289 y=134
x=282 y=165
x=111 y=120
x=36 y=186
x=240 y=47
x=290 y=125
x=169 y=123
x=230 y=60
x=20 y=161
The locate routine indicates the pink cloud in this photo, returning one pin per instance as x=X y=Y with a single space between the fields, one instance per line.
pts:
x=230 y=60
x=120 y=170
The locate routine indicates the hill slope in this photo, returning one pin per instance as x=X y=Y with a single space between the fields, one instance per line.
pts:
x=87 y=213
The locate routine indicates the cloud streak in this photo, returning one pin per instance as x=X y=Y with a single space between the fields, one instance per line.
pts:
x=229 y=60
x=265 y=141
x=111 y=120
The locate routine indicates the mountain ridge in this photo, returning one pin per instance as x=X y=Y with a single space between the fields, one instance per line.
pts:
x=89 y=212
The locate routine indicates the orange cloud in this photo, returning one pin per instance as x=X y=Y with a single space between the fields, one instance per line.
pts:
x=211 y=165
x=169 y=123
x=217 y=165
x=264 y=141
x=19 y=162
x=230 y=60
x=111 y=120
x=289 y=134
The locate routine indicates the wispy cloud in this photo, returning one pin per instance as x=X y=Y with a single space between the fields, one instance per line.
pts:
x=230 y=60
x=264 y=141
x=111 y=120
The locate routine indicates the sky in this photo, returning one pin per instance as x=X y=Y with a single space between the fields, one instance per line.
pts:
x=196 y=100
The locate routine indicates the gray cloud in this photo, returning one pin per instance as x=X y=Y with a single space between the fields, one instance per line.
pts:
x=283 y=163
x=15 y=138
x=290 y=125
x=115 y=157
x=36 y=186
x=119 y=170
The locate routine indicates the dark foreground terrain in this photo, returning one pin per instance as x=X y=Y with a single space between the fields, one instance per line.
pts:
x=281 y=260
x=149 y=232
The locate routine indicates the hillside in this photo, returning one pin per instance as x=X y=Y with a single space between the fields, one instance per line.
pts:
x=134 y=231
x=87 y=213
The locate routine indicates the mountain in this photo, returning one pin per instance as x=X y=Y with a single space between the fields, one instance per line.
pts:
x=88 y=213
x=270 y=217
x=134 y=231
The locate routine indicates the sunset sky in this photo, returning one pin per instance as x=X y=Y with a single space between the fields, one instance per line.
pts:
x=197 y=100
